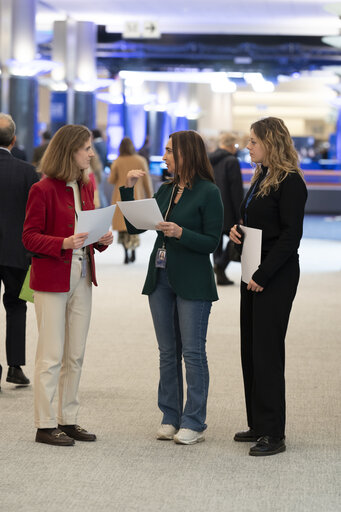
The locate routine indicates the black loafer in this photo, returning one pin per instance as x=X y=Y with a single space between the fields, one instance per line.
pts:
x=247 y=436
x=53 y=436
x=267 y=445
x=77 y=432
x=15 y=375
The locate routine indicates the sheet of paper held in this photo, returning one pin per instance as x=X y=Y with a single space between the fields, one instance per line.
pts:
x=251 y=253
x=142 y=214
x=95 y=222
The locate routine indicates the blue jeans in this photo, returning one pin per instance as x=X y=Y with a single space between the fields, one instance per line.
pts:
x=181 y=327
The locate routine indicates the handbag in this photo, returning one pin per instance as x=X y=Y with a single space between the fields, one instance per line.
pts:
x=26 y=293
x=233 y=253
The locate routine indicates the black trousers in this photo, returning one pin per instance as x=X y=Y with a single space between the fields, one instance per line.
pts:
x=264 y=322
x=222 y=256
x=13 y=279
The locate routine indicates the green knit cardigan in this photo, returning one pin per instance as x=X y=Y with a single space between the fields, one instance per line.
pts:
x=200 y=214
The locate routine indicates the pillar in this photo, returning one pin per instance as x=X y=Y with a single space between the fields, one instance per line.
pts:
x=19 y=91
x=74 y=48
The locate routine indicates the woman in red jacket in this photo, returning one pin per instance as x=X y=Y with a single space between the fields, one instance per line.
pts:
x=61 y=276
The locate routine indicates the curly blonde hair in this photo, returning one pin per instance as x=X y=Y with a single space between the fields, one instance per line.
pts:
x=282 y=158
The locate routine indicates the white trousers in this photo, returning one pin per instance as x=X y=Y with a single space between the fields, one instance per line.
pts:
x=63 y=323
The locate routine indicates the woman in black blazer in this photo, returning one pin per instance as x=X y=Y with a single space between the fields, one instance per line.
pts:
x=275 y=204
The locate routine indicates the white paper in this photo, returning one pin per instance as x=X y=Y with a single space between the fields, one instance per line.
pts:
x=142 y=214
x=95 y=222
x=251 y=254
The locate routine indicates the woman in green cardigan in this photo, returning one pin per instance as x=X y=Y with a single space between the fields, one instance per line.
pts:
x=180 y=282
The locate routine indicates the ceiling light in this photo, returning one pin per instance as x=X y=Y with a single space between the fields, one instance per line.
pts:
x=31 y=68
x=334 y=41
x=223 y=85
x=258 y=83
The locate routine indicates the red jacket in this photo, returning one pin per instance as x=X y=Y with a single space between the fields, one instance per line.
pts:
x=50 y=217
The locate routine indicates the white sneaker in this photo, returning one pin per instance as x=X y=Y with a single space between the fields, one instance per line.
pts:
x=188 y=436
x=166 y=432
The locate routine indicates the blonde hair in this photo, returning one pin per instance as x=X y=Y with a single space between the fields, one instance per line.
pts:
x=58 y=160
x=227 y=139
x=281 y=155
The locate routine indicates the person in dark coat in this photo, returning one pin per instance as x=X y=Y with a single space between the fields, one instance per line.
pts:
x=229 y=180
x=40 y=150
x=100 y=145
x=16 y=179
x=19 y=152
x=101 y=149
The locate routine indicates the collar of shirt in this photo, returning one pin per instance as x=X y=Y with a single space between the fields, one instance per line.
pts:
x=5 y=149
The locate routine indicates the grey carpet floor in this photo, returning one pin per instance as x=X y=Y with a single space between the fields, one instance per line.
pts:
x=127 y=469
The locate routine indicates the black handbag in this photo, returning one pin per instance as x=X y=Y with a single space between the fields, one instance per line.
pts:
x=235 y=250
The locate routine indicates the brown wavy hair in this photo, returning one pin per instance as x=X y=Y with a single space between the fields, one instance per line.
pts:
x=281 y=155
x=190 y=157
x=126 y=147
x=58 y=160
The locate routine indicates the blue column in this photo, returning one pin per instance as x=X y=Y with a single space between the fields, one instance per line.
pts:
x=115 y=129
x=23 y=102
x=181 y=123
x=136 y=124
x=58 y=110
x=85 y=109
x=338 y=136
x=160 y=127
x=19 y=89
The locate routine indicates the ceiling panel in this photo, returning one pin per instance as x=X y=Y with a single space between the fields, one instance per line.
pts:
x=303 y=17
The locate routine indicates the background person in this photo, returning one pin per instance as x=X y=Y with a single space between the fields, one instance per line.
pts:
x=18 y=151
x=61 y=276
x=275 y=204
x=127 y=160
x=39 y=151
x=100 y=147
x=180 y=282
x=228 y=178
x=16 y=179
x=145 y=150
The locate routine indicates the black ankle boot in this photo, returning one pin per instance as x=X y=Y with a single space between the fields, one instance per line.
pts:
x=133 y=256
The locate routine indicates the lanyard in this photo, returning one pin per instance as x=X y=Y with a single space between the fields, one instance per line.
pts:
x=167 y=213
x=252 y=192
x=170 y=203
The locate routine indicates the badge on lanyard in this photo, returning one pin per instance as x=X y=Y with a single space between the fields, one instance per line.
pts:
x=161 y=253
x=161 y=258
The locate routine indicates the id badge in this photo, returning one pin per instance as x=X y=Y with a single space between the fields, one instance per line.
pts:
x=84 y=264
x=161 y=258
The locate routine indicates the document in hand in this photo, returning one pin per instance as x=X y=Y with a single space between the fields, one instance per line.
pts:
x=251 y=253
x=142 y=214
x=95 y=222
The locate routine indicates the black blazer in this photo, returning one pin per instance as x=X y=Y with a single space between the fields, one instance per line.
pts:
x=280 y=217
x=16 y=179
